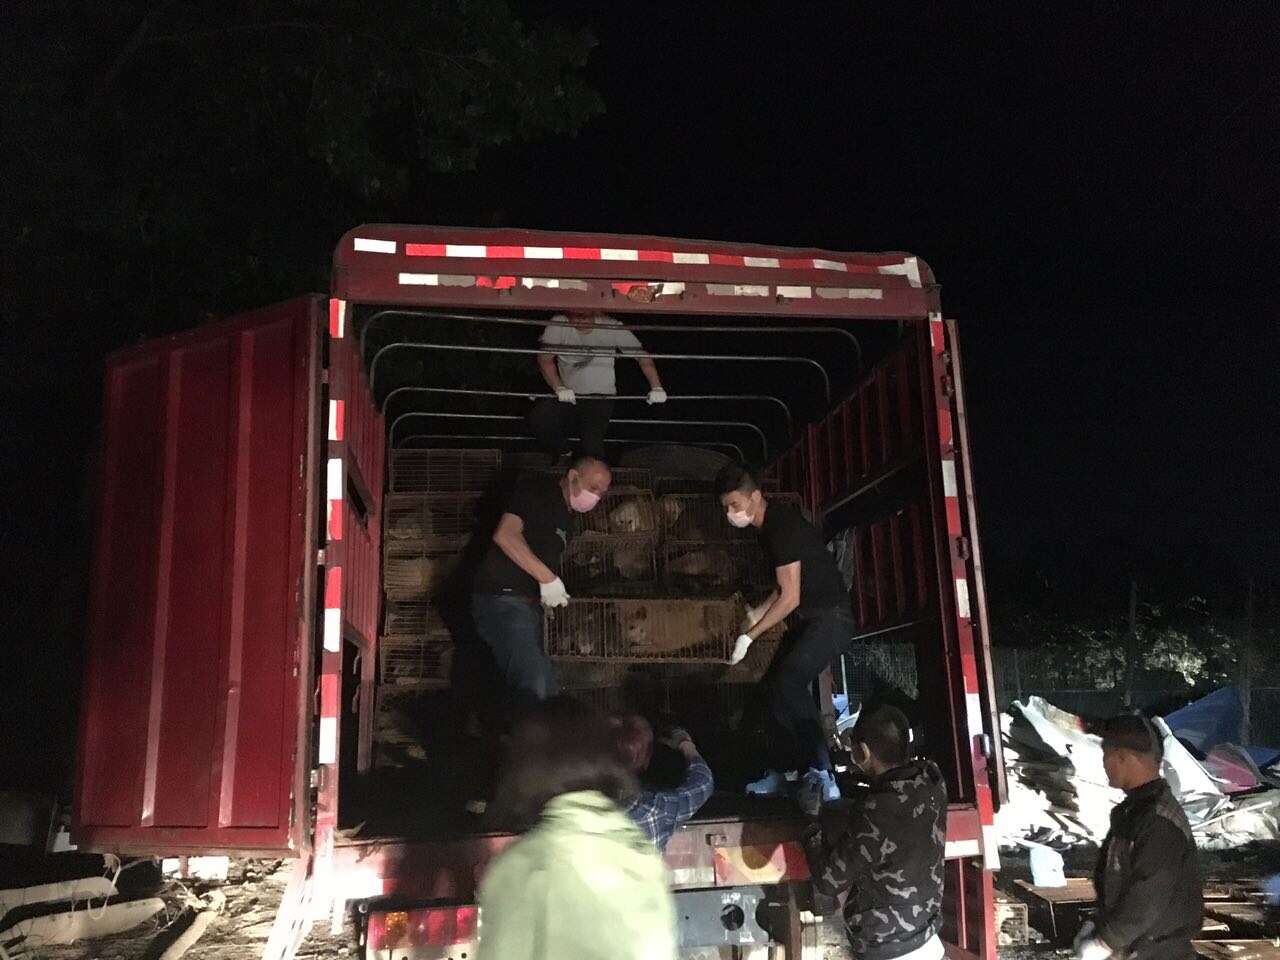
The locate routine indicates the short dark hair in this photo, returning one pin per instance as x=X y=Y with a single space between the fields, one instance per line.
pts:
x=559 y=746
x=583 y=460
x=633 y=736
x=1131 y=731
x=886 y=732
x=736 y=478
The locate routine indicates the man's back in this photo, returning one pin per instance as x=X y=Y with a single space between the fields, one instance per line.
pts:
x=1148 y=879
x=887 y=853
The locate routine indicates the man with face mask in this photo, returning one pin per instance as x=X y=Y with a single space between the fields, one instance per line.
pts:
x=520 y=573
x=809 y=586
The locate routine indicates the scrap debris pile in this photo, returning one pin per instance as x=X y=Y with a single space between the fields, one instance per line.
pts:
x=1058 y=791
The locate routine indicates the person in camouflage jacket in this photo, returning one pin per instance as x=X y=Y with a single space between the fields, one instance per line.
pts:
x=882 y=851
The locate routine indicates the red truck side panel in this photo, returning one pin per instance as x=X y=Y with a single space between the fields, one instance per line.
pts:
x=199 y=617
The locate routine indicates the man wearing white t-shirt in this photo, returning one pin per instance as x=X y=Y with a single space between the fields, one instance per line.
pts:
x=584 y=385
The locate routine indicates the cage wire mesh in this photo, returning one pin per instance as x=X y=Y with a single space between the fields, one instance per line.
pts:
x=411 y=572
x=620 y=512
x=439 y=522
x=645 y=630
x=422 y=662
x=696 y=516
x=872 y=667
x=408 y=619
x=598 y=564
x=443 y=470
x=694 y=568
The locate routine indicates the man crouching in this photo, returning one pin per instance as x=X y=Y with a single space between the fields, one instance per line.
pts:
x=884 y=848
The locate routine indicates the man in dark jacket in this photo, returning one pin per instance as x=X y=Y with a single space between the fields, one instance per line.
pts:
x=884 y=849
x=1147 y=878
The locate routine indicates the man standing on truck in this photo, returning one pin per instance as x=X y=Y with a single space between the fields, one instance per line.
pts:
x=584 y=385
x=883 y=853
x=810 y=586
x=1148 y=881
x=520 y=573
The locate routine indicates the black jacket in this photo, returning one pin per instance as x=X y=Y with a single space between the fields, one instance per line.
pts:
x=885 y=850
x=1147 y=878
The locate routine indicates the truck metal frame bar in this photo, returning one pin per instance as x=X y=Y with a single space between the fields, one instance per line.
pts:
x=526 y=351
x=523 y=439
x=764 y=443
x=646 y=328
x=535 y=395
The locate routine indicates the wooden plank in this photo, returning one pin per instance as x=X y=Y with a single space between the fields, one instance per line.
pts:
x=1237 y=949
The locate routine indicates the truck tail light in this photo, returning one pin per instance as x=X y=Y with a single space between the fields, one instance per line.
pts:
x=411 y=931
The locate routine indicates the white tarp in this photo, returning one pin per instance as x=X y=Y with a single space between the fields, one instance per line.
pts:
x=1058 y=789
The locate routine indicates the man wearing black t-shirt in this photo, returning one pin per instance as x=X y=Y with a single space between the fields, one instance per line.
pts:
x=810 y=586
x=520 y=573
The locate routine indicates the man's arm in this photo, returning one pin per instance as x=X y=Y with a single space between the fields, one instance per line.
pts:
x=510 y=540
x=783 y=600
x=1158 y=854
x=550 y=373
x=687 y=799
x=650 y=371
x=848 y=861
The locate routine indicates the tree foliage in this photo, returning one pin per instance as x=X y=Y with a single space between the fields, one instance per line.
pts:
x=171 y=158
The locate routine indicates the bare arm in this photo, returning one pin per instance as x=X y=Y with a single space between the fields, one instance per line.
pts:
x=650 y=372
x=781 y=602
x=510 y=540
x=547 y=367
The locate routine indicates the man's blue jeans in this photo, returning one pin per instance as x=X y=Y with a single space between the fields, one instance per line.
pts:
x=512 y=627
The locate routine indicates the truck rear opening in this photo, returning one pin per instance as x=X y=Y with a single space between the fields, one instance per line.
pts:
x=292 y=501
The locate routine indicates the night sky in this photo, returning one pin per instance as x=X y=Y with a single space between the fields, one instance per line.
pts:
x=1097 y=190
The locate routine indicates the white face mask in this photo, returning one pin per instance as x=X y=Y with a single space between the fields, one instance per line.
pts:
x=742 y=519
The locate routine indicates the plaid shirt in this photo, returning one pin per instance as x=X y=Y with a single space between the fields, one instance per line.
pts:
x=658 y=812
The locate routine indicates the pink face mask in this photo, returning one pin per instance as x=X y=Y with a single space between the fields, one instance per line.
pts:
x=583 y=501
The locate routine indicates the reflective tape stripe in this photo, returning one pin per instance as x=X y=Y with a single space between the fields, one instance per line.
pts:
x=736 y=290
x=850 y=293
x=760 y=262
x=796 y=293
x=333 y=481
x=337 y=411
x=328 y=740
x=464 y=250
x=419 y=279
x=961 y=848
x=973 y=713
x=337 y=318
x=949 y=486
x=333 y=630
x=990 y=847
x=365 y=245
x=962 y=597
x=608 y=254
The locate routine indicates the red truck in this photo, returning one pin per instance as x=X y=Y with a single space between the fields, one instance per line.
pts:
x=232 y=666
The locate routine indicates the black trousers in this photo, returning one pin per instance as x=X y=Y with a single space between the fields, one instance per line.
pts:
x=794 y=720
x=553 y=422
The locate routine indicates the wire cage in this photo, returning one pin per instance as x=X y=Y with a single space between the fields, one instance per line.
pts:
x=625 y=480
x=696 y=516
x=701 y=568
x=444 y=471
x=681 y=483
x=411 y=572
x=620 y=512
x=598 y=564
x=414 y=620
x=644 y=630
x=421 y=662
x=438 y=521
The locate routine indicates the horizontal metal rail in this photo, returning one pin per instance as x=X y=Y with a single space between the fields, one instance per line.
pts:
x=742 y=424
x=526 y=439
x=473 y=348
x=534 y=395
x=644 y=328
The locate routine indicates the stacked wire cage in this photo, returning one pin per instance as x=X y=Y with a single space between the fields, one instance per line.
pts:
x=427 y=522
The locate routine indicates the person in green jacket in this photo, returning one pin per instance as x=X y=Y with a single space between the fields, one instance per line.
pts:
x=582 y=883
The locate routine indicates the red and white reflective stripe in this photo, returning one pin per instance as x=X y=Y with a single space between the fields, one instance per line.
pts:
x=337 y=319
x=333 y=497
x=333 y=609
x=327 y=748
x=337 y=417
x=908 y=267
x=658 y=288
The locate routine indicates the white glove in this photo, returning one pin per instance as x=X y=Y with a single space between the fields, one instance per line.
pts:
x=1093 y=949
x=565 y=395
x=554 y=594
x=755 y=613
x=657 y=395
x=1085 y=932
x=740 y=648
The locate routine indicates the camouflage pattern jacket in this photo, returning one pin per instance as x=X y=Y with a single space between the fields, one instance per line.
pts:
x=882 y=851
